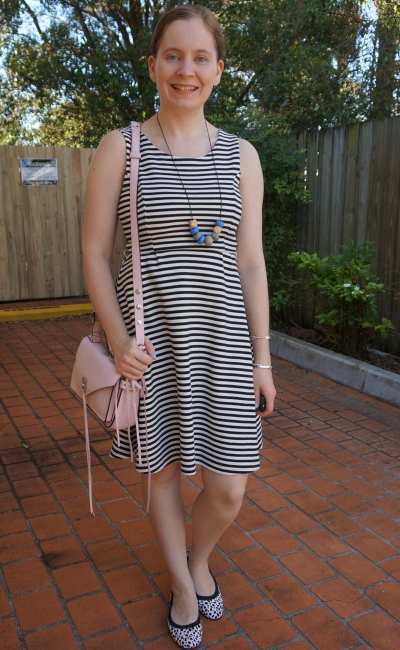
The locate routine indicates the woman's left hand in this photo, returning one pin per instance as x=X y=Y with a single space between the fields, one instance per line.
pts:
x=264 y=385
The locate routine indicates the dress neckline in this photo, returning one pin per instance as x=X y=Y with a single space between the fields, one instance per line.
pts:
x=184 y=157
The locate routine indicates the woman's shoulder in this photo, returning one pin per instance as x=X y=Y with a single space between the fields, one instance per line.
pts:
x=111 y=149
x=246 y=149
x=114 y=139
x=249 y=157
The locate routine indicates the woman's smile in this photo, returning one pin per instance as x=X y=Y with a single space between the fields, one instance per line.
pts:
x=184 y=88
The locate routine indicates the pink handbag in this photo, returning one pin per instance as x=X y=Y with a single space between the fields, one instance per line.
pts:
x=113 y=399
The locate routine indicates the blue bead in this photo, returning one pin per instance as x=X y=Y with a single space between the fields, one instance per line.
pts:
x=219 y=223
x=201 y=240
x=194 y=231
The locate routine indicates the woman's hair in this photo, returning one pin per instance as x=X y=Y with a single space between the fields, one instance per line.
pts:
x=187 y=12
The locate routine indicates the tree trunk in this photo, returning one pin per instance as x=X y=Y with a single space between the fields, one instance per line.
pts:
x=388 y=38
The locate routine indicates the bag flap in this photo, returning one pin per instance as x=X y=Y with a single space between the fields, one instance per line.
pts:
x=92 y=361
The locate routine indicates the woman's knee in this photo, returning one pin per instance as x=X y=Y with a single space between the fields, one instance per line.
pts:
x=167 y=475
x=228 y=492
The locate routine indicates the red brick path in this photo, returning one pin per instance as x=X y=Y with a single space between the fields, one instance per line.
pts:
x=312 y=561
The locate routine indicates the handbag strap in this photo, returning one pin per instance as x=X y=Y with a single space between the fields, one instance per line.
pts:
x=137 y=272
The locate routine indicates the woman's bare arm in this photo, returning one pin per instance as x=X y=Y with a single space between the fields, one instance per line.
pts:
x=103 y=189
x=252 y=270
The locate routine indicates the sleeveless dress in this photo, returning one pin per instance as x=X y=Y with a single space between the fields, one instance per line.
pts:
x=200 y=403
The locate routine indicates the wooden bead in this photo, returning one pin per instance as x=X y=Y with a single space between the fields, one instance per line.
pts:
x=217 y=229
x=193 y=223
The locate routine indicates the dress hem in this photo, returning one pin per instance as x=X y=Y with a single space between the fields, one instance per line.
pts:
x=144 y=470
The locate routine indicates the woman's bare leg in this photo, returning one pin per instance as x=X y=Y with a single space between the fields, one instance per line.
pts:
x=213 y=511
x=167 y=519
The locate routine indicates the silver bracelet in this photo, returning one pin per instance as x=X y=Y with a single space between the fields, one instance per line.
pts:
x=267 y=336
x=261 y=365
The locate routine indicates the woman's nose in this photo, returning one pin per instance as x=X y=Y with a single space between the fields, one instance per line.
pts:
x=186 y=68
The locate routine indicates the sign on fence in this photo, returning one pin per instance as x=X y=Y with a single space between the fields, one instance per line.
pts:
x=38 y=171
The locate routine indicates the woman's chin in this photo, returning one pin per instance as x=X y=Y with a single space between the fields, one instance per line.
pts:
x=182 y=103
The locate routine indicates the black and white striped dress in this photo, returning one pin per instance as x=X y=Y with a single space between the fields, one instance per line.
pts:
x=200 y=406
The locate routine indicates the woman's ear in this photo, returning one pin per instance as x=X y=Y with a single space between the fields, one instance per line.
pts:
x=220 y=69
x=151 y=62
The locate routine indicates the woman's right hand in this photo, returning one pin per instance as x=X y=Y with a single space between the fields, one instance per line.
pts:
x=131 y=361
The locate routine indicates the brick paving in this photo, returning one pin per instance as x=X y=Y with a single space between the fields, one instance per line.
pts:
x=312 y=561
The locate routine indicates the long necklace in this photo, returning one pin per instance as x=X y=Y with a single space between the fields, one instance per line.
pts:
x=193 y=224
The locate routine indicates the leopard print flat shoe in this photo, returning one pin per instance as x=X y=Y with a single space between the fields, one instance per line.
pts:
x=186 y=636
x=210 y=606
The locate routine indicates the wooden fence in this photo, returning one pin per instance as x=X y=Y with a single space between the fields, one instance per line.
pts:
x=353 y=173
x=41 y=226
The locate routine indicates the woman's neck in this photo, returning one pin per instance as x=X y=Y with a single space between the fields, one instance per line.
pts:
x=185 y=132
x=183 y=123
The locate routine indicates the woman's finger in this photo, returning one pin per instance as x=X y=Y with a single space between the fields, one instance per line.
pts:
x=268 y=391
x=131 y=365
x=138 y=356
x=150 y=349
x=270 y=399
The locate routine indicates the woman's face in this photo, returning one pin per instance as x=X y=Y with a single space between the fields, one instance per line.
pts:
x=186 y=66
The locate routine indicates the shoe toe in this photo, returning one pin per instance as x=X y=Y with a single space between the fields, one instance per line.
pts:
x=212 y=608
x=186 y=638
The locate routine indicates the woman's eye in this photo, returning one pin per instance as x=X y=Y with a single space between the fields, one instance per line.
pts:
x=202 y=59
x=172 y=57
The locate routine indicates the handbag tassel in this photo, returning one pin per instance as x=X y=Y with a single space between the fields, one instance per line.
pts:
x=88 y=458
x=142 y=388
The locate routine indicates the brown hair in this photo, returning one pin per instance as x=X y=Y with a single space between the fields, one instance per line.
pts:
x=187 y=12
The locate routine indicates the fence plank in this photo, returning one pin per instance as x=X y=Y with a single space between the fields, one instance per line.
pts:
x=324 y=190
x=350 y=192
x=365 y=145
x=338 y=190
x=387 y=249
x=5 y=286
x=78 y=206
x=312 y=182
x=62 y=200
x=16 y=237
x=302 y=171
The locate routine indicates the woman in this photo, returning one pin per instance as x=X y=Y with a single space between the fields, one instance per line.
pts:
x=205 y=292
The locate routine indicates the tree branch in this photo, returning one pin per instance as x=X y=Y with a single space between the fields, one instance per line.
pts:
x=245 y=90
x=93 y=14
x=85 y=29
x=34 y=18
x=122 y=29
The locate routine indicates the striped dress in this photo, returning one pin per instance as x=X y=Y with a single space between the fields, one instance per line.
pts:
x=200 y=405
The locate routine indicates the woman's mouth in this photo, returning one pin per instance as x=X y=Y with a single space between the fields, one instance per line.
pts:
x=184 y=88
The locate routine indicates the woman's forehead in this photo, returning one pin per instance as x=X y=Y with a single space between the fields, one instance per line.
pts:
x=188 y=34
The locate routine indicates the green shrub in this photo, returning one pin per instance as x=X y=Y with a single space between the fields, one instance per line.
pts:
x=284 y=184
x=344 y=293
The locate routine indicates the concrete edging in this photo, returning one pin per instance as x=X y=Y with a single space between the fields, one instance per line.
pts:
x=373 y=381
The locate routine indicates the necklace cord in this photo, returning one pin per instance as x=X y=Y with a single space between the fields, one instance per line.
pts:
x=177 y=170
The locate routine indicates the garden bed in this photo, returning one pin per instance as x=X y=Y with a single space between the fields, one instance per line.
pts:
x=376 y=358
x=358 y=375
